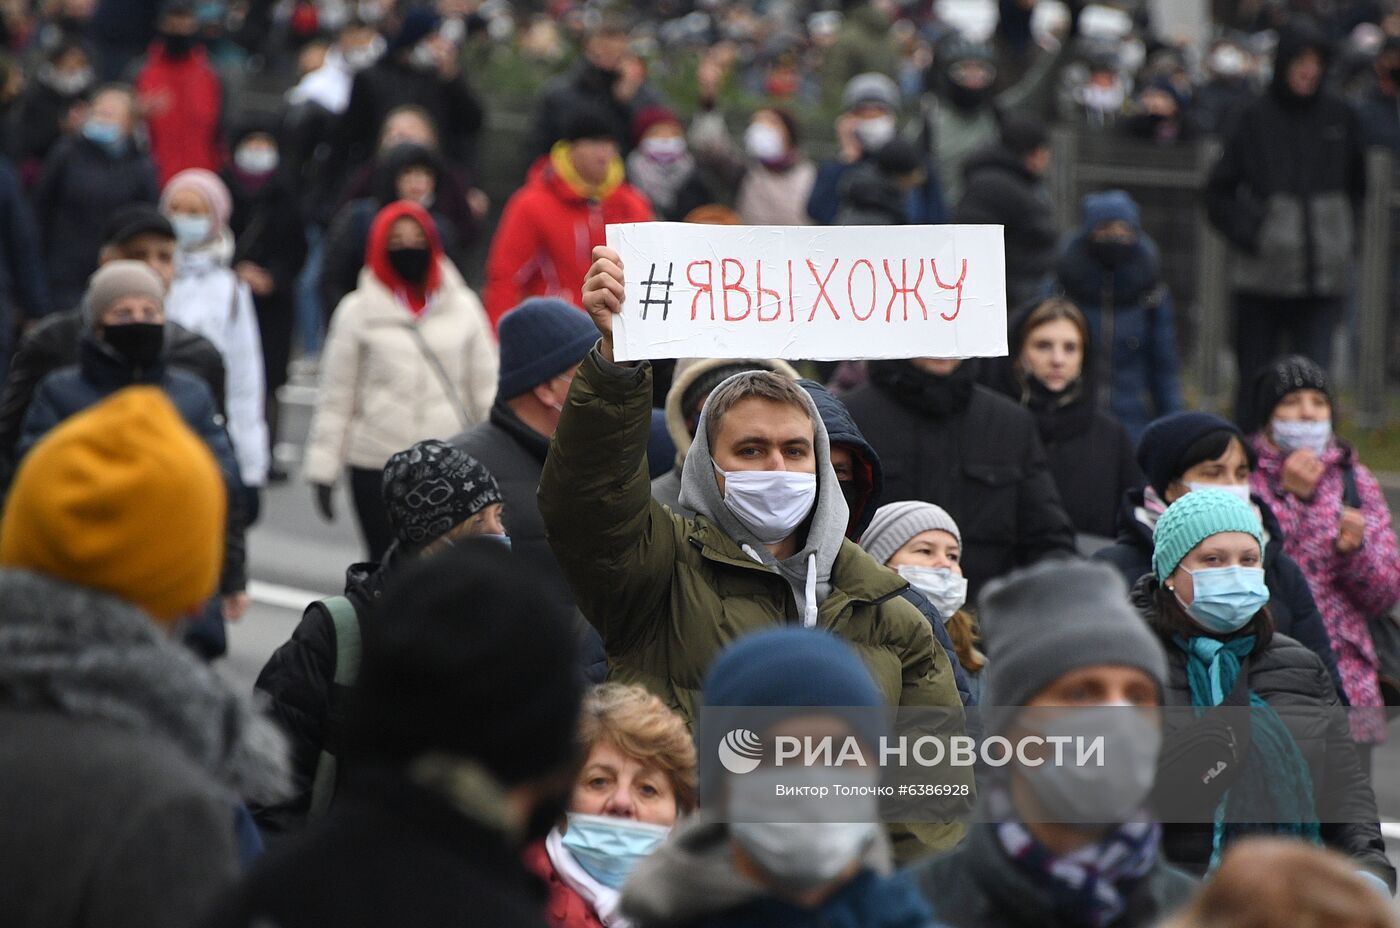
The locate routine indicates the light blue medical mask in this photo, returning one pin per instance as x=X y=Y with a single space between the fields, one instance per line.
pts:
x=608 y=848
x=1238 y=490
x=107 y=136
x=190 y=231
x=1226 y=597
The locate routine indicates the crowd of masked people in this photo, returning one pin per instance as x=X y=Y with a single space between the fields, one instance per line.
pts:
x=570 y=558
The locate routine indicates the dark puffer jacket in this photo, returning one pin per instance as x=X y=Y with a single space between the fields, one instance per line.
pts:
x=973 y=452
x=977 y=886
x=53 y=343
x=1000 y=191
x=514 y=453
x=1290 y=600
x=99 y=374
x=1286 y=675
x=303 y=698
x=1288 y=188
x=1131 y=319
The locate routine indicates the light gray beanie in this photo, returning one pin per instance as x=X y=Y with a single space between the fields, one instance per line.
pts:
x=896 y=523
x=1057 y=616
x=115 y=280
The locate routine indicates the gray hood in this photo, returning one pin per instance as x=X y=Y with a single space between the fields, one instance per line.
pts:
x=692 y=875
x=90 y=655
x=700 y=494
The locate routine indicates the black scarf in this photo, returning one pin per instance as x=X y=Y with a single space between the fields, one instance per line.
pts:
x=924 y=393
x=1059 y=416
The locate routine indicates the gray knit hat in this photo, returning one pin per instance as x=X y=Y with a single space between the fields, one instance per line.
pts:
x=871 y=87
x=896 y=523
x=115 y=280
x=1057 y=616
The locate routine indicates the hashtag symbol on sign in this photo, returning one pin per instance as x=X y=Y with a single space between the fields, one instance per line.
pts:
x=650 y=283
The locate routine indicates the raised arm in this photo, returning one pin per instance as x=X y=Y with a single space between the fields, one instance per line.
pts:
x=615 y=545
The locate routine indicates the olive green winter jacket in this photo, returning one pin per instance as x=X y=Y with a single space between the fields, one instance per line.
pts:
x=667 y=594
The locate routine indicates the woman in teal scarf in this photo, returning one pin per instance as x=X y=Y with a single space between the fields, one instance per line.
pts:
x=1207 y=600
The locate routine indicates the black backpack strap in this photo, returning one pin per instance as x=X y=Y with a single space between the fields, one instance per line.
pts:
x=1351 y=496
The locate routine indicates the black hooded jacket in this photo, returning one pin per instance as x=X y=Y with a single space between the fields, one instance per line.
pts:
x=299 y=683
x=1290 y=600
x=1289 y=184
x=950 y=441
x=998 y=190
x=1090 y=454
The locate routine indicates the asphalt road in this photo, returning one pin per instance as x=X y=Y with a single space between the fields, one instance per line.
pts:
x=296 y=557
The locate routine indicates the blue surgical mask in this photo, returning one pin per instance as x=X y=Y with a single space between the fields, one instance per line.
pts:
x=108 y=136
x=1226 y=597
x=607 y=848
x=1292 y=435
x=190 y=231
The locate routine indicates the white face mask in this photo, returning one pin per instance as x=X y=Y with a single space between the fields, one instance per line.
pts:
x=1296 y=434
x=764 y=142
x=807 y=851
x=875 y=133
x=362 y=56
x=423 y=58
x=945 y=589
x=664 y=150
x=1240 y=490
x=770 y=503
x=256 y=160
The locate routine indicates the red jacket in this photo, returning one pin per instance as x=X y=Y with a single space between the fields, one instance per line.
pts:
x=185 y=101
x=565 y=908
x=545 y=241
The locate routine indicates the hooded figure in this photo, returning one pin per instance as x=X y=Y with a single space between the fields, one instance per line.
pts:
x=694 y=380
x=667 y=593
x=1117 y=283
x=409 y=357
x=1287 y=195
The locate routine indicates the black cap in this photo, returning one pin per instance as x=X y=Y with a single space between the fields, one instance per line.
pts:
x=133 y=220
x=589 y=122
x=1283 y=376
x=1023 y=134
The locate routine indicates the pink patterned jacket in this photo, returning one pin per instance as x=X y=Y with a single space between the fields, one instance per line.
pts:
x=1348 y=588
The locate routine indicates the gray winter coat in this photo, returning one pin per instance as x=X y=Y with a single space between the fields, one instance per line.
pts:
x=121 y=760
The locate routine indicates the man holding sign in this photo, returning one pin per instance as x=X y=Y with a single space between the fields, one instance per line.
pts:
x=766 y=548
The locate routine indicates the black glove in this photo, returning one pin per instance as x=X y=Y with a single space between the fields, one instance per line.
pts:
x=324 y=504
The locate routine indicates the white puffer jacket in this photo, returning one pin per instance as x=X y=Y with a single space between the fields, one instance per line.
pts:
x=379 y=392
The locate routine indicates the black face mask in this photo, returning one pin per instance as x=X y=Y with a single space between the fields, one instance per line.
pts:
x=1111 y=254
x=410 y=263
x=1395 y=76
x=967 y=98
x=140 y=343
x=177 y=44
x=851 y=490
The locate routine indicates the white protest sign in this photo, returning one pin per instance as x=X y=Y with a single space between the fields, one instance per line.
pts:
x=820 y=293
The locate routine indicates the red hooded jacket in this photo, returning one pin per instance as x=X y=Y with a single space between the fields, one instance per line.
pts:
x=377 y=253
x=186 y=100
x=544 y=244
x=565 y=908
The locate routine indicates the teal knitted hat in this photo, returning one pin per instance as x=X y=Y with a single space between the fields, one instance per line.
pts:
x=1194 y=518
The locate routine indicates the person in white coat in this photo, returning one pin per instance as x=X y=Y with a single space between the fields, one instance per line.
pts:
x=410 y=356
x=208 y=298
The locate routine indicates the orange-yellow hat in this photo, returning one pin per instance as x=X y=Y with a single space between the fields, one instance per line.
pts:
x=123 y=498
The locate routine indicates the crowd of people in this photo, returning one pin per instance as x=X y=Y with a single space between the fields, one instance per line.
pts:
x=571 y=559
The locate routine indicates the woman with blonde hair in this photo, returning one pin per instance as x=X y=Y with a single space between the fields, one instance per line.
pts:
x=1276 y=883
x=638 y=777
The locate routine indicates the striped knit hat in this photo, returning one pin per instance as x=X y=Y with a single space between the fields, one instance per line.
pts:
x=1194 y=518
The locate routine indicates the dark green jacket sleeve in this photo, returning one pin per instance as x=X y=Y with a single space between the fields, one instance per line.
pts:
x=615 y=545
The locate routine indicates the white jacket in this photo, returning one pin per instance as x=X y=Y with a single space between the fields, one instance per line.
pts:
x=208 y=298
x=380 y=394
